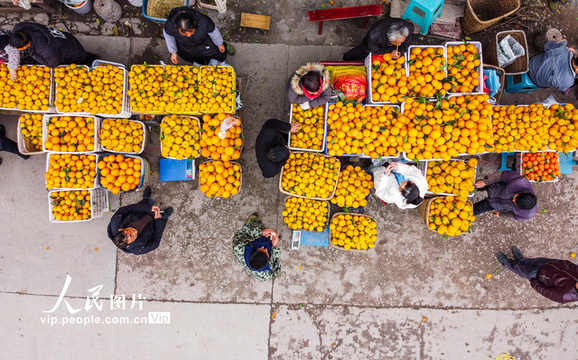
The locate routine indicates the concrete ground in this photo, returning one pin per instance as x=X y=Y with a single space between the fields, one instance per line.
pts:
x=415 y=296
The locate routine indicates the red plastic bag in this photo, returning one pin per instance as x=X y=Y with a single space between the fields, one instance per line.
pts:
x=352 y=80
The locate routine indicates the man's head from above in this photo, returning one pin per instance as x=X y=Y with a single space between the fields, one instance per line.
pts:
x=278 y=154
x=397 y=34
x=525 y=201
x=125 y=236
x=259 y=258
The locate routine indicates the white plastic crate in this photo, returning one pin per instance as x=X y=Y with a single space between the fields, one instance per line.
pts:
x=97 y=146
x=478 y=45
x=426 y=169
x=368 y=65
x=192 y=118
x=144 y=137
x=94 y=185
x=21 y=141
x=520 y=163
x=98 y=206
x=323 y=142
x=51 y=107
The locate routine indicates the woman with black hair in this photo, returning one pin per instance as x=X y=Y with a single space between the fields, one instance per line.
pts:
x=401 y=184
x=194 y=37
x=309 y=86
x=11 y=56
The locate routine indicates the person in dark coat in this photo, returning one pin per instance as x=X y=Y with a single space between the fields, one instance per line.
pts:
x=271 y=146
x=309 y=86
x=510 y=195
x=9 y=145
x=384 y=36
x=552 y=278
x=11 y=56
x=194 y=37
x=138 y=228
x=48 y=46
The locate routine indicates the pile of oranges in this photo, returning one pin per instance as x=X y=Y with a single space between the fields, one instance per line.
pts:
x=373 y=131
x=31 y=91
x=71 y=205
x=220 y=178
x=312 y=121
x=31 y=129
x=70 y=134
x=448 y=128
x=68 y=171
x=563 y=133
x=523 y=128
x=165 y=89
x=306 y=214
x=217 y=90
x=122 y=135
x=213 y=146
x=452 y=177
x=451 y=215
x=99 y=91
x=353 y=187
x=310 y=175
x=119 y=173
x=180 y=137
x=426 y=72
x=463 y=66
x=353 y=232
x=544 y=166
x=389 y=82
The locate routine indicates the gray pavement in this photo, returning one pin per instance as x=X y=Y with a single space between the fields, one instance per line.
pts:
x=326 y=303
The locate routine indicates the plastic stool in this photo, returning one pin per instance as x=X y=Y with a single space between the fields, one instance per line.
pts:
x=504 y=165
x=423 y=13
x=524 y=85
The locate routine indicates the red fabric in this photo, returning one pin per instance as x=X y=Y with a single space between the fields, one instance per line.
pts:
x=313 y=95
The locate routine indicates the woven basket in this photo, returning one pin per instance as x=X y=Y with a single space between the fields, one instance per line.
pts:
x=161 y=8
x=495 y=11
x=423 y=210
x=502 y=75
x=521 y=64
x=340 y=247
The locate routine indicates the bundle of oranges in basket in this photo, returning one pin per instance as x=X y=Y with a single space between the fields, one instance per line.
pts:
x=71 y=205
x=220 y=178
x=352 y=231
x=353 y=187
x=119 y=173
x=310 y=175
x=463 y=66
x=427 y=72
x=306 y=214
x=312 y=121
x=450 y=215
x=31 y=91
x=69 y=171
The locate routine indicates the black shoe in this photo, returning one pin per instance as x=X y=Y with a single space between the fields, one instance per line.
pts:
x=502 y=258
x=2 y=131
x=0 y=161
x=147 y=192
x=517 y=253
x=25 y=157
x=168 y=212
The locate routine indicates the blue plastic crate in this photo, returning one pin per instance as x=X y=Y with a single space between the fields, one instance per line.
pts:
x=155 y=19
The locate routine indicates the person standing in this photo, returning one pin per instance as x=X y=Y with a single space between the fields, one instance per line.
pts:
x=49 y=47
x=194 y=37
x=257 y=249
x=386 y=36
x=9 y=145
x=554 y=279
x=138 y=228
x=510 y=195
x=309 y=86
x=271 y=146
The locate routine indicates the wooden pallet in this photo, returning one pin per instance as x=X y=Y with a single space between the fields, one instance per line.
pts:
x=255 y=21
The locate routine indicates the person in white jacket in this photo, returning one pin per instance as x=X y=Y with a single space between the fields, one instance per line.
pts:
x=400 y=184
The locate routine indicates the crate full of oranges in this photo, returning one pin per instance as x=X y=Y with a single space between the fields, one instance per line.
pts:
x=220 y=178
x=447 y=215
x=30 y=133
x=353 y=231
x=309 y=175
x=123 y=136
x=370 y=131
x=100 y=91
x=426 y=70
x=218 y=88
x=306 y=214
x=454 y=177
x=119 y=173
x=311 y=136
x=31 y=91
x=389 y=82
x=70 y=171
x=180 y=137
x=353 y=187
x=465 y=68
x=70 y=134
x=539 y=167
x=76 y=205
x=219 y=145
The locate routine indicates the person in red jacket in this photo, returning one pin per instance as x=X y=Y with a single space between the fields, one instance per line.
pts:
x=552 y=278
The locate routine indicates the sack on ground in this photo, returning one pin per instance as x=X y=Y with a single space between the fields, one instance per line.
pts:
x=351 y=80
x=508 y=51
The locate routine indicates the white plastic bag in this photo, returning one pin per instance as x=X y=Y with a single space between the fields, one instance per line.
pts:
x=228 y=123
x=508 y=51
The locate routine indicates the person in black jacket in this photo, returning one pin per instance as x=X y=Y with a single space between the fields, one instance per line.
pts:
x=194 y=37
x=271 y=146
x=48 y=46
x=9 y=145
x=138 y=228
x=385 y=36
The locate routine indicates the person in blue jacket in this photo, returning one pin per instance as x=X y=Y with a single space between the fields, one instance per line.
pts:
x=555 y=67
x=138 y=228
